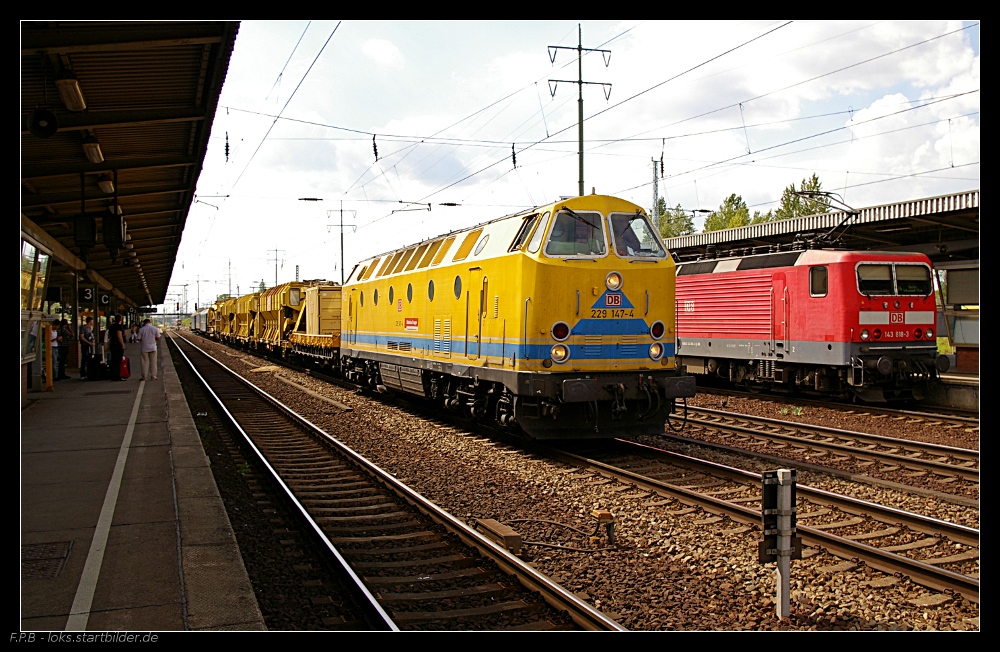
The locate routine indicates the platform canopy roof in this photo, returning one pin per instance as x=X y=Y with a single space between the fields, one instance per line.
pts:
x=119 y=114
x=945 y=228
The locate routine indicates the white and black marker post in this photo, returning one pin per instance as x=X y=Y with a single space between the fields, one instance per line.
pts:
x=778 y=519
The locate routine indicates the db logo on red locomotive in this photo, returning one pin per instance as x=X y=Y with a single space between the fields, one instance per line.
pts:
x=611 y=300
x=895 y=318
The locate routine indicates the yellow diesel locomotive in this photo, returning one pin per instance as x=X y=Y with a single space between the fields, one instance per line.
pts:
x=558 y=321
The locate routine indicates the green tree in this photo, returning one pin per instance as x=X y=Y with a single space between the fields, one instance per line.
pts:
x=674 y=222
x=793 y=205
x=760 y=218
x=732 y=213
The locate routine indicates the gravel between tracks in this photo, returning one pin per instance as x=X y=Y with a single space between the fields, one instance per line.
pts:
x=845 y=418
x=672 y=571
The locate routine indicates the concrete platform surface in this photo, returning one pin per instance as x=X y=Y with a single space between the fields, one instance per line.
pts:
x=122 y=526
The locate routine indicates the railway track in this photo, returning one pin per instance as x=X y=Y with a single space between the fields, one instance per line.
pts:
x=958 y=467
x=416 y=565
x=934 y=553
x=947 y=417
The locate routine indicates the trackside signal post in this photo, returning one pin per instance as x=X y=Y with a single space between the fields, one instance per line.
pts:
x=778 y=520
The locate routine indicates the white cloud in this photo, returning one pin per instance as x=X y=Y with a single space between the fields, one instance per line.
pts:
x=383 y=52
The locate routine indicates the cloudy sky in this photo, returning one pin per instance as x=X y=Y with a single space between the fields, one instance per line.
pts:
x=880 y=111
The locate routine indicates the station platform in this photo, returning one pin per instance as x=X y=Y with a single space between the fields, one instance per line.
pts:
x=956 y=390
x=122 y=525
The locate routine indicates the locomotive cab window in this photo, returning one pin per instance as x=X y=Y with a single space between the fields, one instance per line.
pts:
x=913 y=279
x=819 y=282
x=633 y=236
x=875 y=279
x=536 y=238
x=576 y=234
x=522 y=235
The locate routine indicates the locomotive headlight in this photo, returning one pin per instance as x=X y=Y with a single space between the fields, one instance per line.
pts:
x=559 y=353
x=656 y=330
x=655 y=351
x=930 y=333
x=613 y=281
x=917 y=333
x=865 y=334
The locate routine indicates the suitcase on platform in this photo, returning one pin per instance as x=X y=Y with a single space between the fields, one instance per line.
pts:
x=97 y=370
x=126 y=368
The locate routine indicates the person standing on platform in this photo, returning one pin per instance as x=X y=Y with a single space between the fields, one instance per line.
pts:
x=65 y=337
x=87 y=343
x=116 y=341
x=148 y=336
x=54 y=348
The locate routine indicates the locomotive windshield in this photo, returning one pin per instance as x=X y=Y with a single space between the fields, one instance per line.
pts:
x=913 y=279
x=576 y=234
x=634 y=236
x=887 y=279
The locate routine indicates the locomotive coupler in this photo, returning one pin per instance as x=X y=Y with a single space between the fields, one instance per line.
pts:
x=652 y=391
x=618 y=405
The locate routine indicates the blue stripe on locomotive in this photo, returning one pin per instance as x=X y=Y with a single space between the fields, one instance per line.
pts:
x=534 y=351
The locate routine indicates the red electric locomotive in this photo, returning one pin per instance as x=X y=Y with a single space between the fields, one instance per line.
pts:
x=828 y=321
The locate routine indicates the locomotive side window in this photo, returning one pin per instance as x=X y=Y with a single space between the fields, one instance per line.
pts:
x=416 y=257
x=875 y=279
x=442 y=251
x=402 y=261
x=536 y=239
x=365 y=273
x=634 y=236
x=429 y=256
x=913 y=279
x=818 y=282
x=295 y=296
x=523 y=234
x=389 y=262
x=575 y=234
x=482 y=243
x=466 y=247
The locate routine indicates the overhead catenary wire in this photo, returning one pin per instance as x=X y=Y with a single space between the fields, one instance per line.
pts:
x=287 y=102
x=408 y=149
